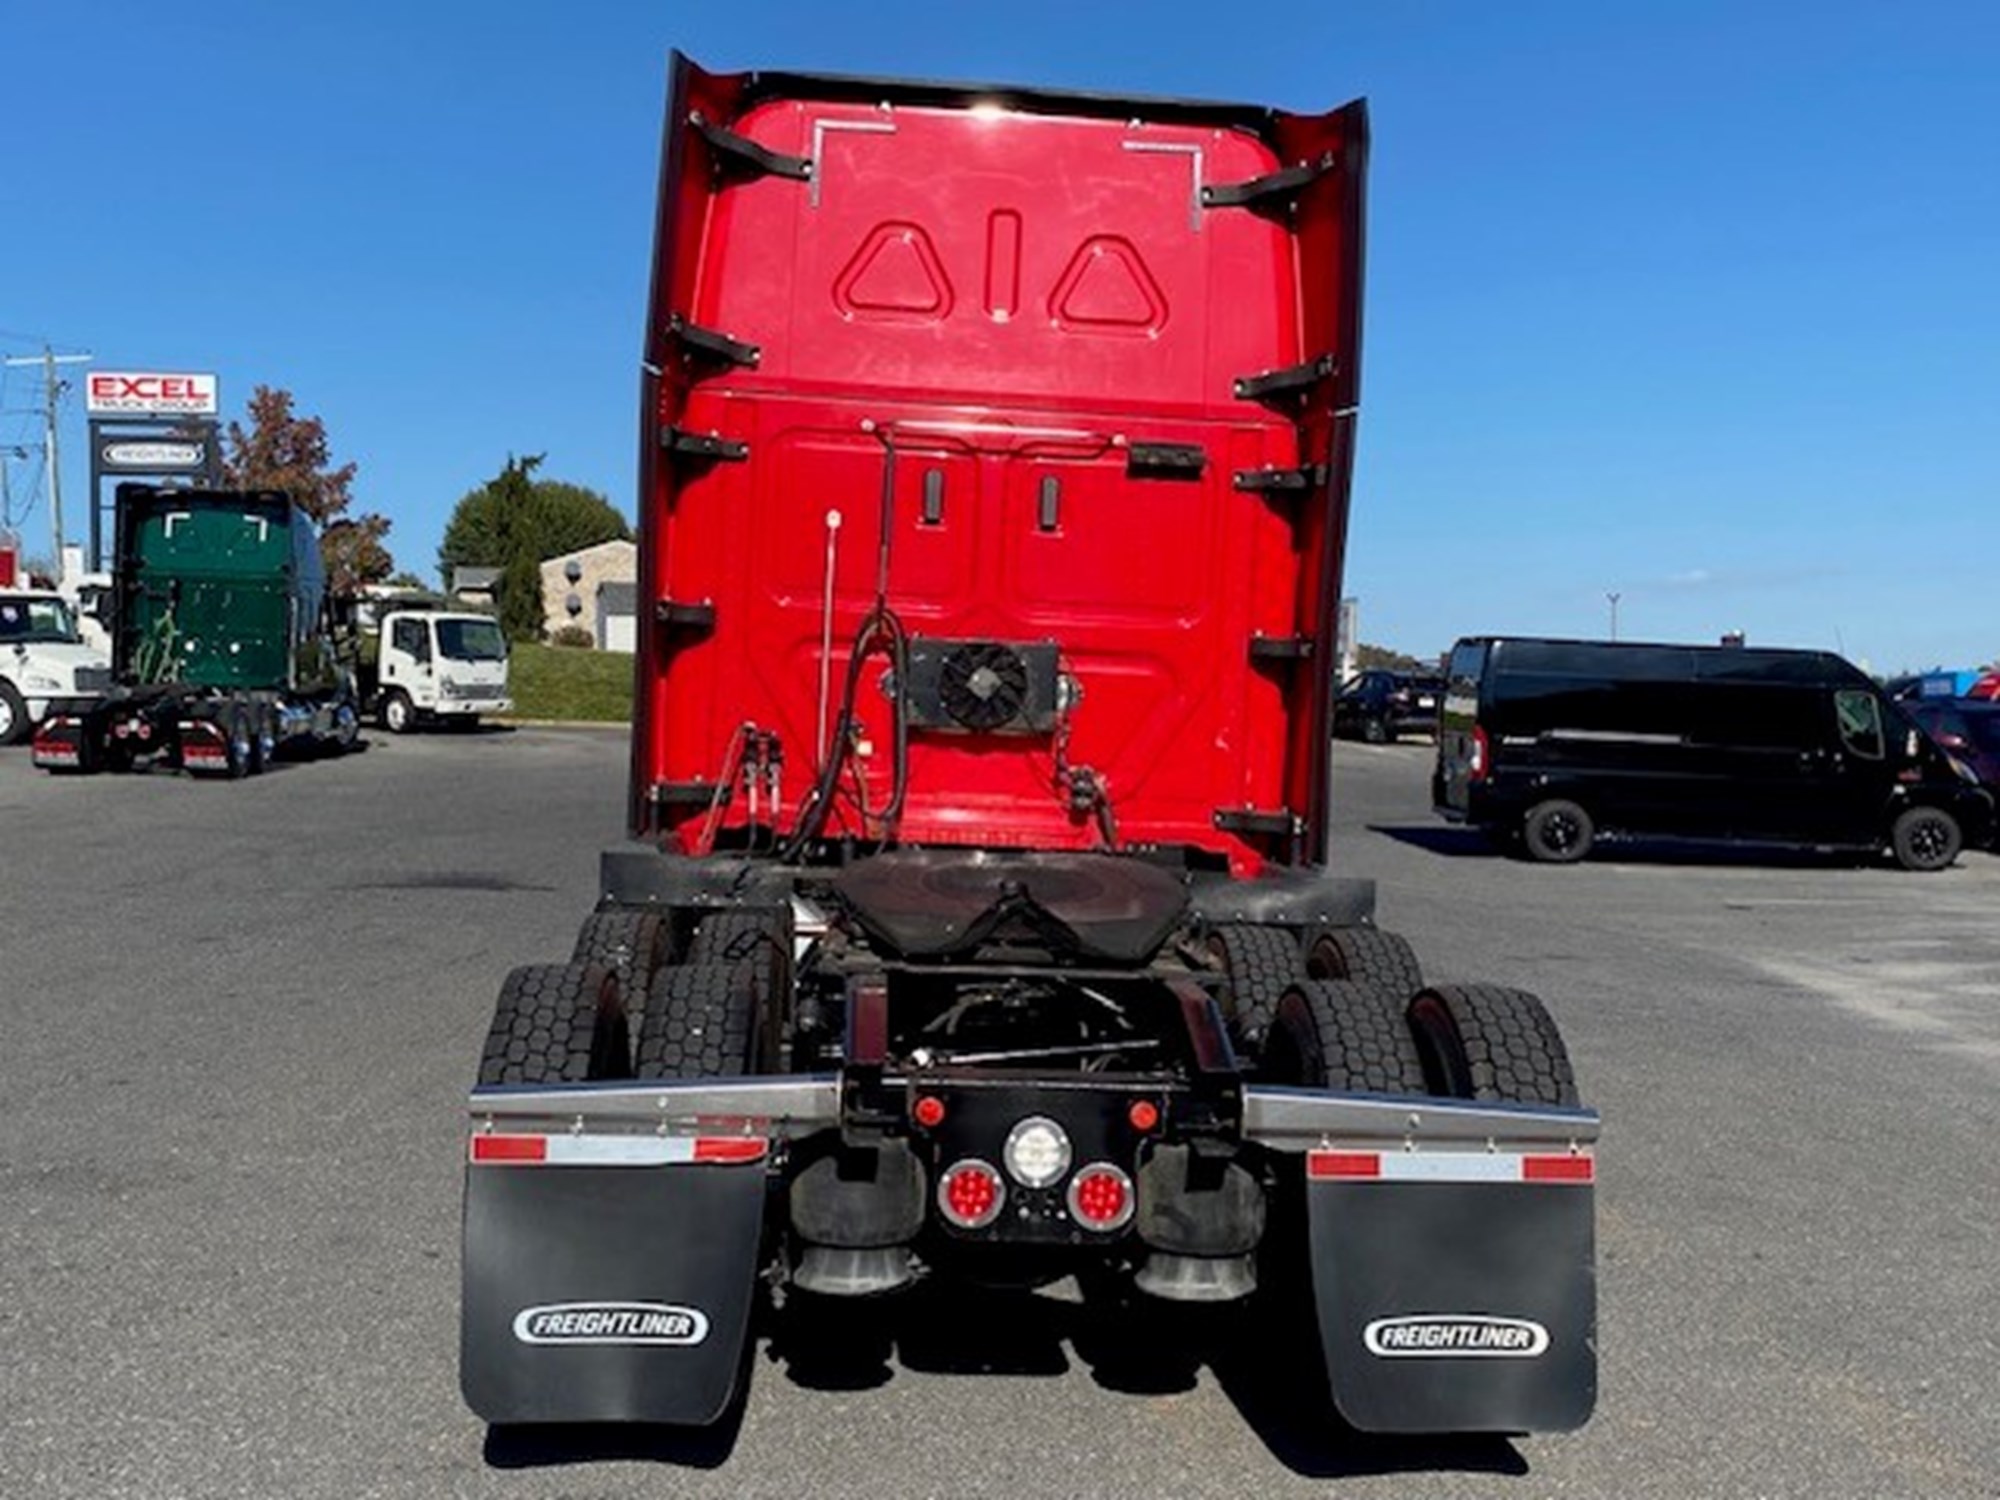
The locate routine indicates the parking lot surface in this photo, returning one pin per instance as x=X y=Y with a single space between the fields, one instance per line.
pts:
x=239 y=1021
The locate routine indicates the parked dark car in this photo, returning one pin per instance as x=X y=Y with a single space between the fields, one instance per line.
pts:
x=1968 y=728
x=1378 y=705
x=1550 y=744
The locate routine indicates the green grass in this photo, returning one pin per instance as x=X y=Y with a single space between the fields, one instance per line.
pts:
x=564 y=682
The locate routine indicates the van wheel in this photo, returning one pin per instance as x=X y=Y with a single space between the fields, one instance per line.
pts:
x=1557 y=832
x=1375 y=731
x=1926 y=838
x=1482 y=1041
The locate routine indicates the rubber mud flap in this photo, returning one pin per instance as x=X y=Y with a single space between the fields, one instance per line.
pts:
x=607 y=1293
x=1457 y=1306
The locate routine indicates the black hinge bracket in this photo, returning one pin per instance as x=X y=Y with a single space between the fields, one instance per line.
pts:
x=745 y=155
x=677 y=618
x=1291 y=380
x=685 y=794
x=1256 y=821
x=1165 y=461
x=706 y=343
x=1281 y=481
x=1285 y=183
x=1280 y=649
x=705 y=447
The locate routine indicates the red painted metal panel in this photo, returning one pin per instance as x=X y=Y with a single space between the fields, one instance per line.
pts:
x=993 y=304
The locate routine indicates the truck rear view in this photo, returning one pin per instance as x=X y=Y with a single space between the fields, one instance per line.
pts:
x=995 y=470
x=222 y=652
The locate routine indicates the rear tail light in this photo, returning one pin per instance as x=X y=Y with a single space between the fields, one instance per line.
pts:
x=1100 y=1198
x=928 y=1111
x=970 y=1194
x=1475 y=769
x=1037 y=1152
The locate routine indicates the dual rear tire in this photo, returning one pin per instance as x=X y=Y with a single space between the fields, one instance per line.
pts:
x=634 y=1001
x=1473 y=1041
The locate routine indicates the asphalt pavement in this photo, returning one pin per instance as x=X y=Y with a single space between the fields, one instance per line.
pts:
x=237 y=1022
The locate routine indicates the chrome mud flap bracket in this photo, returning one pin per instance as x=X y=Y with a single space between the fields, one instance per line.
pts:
x=611 y=1244
x=1453 y=1253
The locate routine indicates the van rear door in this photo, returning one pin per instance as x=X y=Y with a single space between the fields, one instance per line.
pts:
x=1458 y=723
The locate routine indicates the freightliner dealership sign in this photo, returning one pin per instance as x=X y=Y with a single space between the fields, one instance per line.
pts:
x=143 y=457
x=149 y=393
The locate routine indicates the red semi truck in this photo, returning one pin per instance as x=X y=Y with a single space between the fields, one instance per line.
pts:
x=978 y=922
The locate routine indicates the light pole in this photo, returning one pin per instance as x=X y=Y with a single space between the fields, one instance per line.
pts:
x=1613 y=598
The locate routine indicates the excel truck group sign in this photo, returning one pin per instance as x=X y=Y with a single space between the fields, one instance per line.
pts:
x=149 y=393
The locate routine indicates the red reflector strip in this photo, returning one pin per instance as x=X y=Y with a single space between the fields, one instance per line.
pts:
x=1448 y=1166
x=616 y=1150
x=728 y=1149
x=510 y=1147
x=1344 y=1164
x=1558 y=1169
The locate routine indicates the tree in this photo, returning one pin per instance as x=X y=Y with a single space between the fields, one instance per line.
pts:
x=283 y=451
x=514 y=522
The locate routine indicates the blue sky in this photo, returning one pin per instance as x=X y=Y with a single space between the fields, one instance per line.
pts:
x=1697 y=303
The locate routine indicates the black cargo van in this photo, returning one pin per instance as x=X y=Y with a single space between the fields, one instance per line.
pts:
x=1550 y=744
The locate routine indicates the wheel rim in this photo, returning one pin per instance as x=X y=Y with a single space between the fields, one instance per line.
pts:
x=399 y=714
x=1928 y=840
x=1562 y=832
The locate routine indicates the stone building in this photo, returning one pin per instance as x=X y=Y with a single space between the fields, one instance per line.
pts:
x=595 y=588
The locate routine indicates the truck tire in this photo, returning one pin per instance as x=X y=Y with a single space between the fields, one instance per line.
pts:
x=1925 y=838
x=346 y=727
x=234 y=721
x=1367 y=955
x=631 y=943
x=398 y=714
x=1557 y=832
x=1484 y=1041
x=762 y=939
x=263 y=739
x=1259 y=964
x=14 y=724
x=700 y=1022
x=557 y=1023
x=1337 y=1034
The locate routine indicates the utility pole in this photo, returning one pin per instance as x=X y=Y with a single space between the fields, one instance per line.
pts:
x=51 y=392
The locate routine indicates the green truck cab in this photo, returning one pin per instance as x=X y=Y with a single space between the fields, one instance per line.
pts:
x=223 y=647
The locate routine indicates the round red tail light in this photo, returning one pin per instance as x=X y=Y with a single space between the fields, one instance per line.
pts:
x=928 y=1111
x=1100 y=1197
x=970 y=1194
x=1144 y=1115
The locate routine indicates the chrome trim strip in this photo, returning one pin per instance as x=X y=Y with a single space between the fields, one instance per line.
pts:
x=768 y=1107
x=1309 y=1119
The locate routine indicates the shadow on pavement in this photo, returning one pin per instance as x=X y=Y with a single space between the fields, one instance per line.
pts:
x=1456 y=842
x=554 y=1446
x=1265 y=1359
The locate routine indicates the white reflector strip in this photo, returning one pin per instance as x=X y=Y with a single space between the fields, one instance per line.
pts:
x=1448 y=1166
x=614 y=1150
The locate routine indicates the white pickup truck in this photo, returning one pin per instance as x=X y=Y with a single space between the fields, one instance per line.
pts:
x=42 y=656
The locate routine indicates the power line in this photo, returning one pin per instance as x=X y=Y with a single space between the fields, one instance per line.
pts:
x=52 y=391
